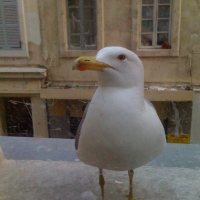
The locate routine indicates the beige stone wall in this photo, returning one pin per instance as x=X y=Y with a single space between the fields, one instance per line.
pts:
x=41 y=20
x=32 y=25
x=118 y=23
x=182 y=70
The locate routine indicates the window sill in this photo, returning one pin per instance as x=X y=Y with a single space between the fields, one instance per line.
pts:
x=156 y=53
x=14 y=53
x=77 y=53
x=23 y=72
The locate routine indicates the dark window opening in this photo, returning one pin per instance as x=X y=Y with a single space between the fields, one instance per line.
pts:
x=74 y=123
x=18 y=116
x=176 y=118
x=64 y=117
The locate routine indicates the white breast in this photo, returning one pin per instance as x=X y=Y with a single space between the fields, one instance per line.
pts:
x=120 y=132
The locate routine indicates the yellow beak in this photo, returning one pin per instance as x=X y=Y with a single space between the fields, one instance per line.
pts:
x=89 y=63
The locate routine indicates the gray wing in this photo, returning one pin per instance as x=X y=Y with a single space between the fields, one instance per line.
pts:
x=78 y=133
x=149 y=103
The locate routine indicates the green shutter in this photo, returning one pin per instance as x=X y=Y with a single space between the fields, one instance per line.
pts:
x=9 y=25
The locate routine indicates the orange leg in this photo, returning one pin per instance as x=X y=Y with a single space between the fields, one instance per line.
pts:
x=130 y=195
x=101 y=182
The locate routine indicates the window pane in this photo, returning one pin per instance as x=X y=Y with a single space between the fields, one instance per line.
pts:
x=18 y=114
x=147 y=1
x=88 y=3
x=163 y=11
x=74 y=14
x=146 y=39
x=73 y=2
x=89 y=26
x=147 y=26
x=75 y=27
x=163 y=38
x=75 y=41
x=164 y=1
x=163 y=25
x=147 y=12
x=88 y=14
x=89 y=39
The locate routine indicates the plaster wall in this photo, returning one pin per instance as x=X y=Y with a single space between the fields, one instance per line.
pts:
x=181 y=70
x=33 y=35
x=41 y=21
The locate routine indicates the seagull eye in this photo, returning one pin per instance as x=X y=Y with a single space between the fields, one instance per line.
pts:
x=121 y=57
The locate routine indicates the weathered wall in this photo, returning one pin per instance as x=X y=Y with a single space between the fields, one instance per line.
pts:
x=117 y=27
x=32 y=23
x=118 y=23
x=42 y=29
x=42 y=33
x=184 y=69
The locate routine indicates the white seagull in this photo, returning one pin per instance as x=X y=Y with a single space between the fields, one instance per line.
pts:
x=120 y=129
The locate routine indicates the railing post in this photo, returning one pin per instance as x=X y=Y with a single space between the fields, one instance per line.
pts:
x=39 y=117
x=195 y=127
x=3 y=125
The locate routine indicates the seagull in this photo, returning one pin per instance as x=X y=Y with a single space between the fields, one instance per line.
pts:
x=120 y=129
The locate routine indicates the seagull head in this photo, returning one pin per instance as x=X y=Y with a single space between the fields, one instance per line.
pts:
x=115 y=66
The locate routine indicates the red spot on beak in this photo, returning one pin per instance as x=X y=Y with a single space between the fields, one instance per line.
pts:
x=82 y=67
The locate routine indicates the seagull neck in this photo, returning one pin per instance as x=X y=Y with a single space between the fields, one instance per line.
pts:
x=136 y=87
x=121 y=81
x=133 y=91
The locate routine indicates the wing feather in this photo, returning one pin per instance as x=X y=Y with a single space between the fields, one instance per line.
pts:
x=78 y=133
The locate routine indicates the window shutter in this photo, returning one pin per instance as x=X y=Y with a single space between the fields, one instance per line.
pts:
x=9 y=25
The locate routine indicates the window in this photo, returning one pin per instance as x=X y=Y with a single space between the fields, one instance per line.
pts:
x=87 y=33
x=9 y=25
x=13 y=35
x=18 y=113
x=155 y=24
x=160 y=46
x=81 y=16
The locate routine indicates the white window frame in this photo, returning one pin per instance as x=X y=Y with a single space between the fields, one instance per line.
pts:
x=155 y=25
x=64 y=50
x=175 y=32
x=23 y=52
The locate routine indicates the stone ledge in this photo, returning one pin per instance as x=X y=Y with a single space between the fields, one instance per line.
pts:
x=49 y=149
x=35 y=180
x=36 y=168
x=23 y=72
x=83 y=93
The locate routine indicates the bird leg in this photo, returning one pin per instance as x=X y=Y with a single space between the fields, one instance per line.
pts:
x=101 y=182
x=130 y=195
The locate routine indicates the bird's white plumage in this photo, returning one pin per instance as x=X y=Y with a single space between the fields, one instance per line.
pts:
x=121 y=130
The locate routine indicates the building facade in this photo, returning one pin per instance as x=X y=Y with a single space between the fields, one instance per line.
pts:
x=39 y=41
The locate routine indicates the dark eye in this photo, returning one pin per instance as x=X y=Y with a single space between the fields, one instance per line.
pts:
x=121 y=57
